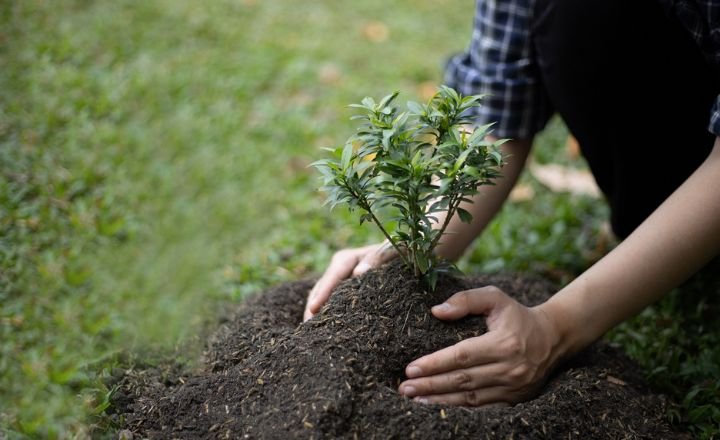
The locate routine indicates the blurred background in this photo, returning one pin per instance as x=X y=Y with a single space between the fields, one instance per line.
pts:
x=153 y=172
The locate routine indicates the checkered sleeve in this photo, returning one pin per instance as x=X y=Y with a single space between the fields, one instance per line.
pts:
x=712 y=11
x=500 y=63
x=701 y=18
x=715 y=118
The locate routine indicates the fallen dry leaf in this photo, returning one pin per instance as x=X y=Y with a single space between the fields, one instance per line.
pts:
x=616 y=381
x=562 y=179
x=375 y=31
x=427 y=89
x=572 y=147
x=329 y=73
x=298 y=165
x=522 y=192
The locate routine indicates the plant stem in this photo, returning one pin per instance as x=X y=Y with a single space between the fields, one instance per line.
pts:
x=385 y=233
x=448 y=217
x=362 y=201
x=415 y=235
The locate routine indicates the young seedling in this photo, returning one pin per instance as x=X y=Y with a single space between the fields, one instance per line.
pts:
x=402 y=169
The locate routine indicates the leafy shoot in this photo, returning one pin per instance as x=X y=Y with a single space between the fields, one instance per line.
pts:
x=408 y=172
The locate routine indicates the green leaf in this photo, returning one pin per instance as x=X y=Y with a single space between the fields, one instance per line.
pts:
x=368 y=103
x=440 y=205
x=415 y=108
x=346 y=156
x=432 y=278
x=471 y=171
x=479 y=133
x=422 y=262
x=362 y=167
x=365 y=217
x=402 y=236
x=444 y=186
x=497 y=157
x=388 y=99
x=461 y=159
x=464 y=215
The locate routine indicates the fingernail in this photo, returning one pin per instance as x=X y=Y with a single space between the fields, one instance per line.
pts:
x=361 y=268
x=413 y=371
x=408 y=390
x=444 y=307
x=421 y=400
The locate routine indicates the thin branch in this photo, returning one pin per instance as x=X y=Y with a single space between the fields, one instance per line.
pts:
x=366 y=206
x=448 y=217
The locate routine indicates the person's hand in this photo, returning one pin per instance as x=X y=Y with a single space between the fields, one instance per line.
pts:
x=507 y=364
x=344 y=264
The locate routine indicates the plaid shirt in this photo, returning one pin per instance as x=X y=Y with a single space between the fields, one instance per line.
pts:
x=702 y=19
x=499 y=62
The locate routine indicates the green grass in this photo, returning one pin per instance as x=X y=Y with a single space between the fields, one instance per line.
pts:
x=677 y=342
x=153 y=168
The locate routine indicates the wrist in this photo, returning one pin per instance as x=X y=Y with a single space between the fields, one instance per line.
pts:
x=567 y=334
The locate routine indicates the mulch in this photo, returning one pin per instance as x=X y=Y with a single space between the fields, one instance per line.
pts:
x=266 y=375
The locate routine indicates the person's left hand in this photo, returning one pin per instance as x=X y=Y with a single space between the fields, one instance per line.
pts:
x=507 y=364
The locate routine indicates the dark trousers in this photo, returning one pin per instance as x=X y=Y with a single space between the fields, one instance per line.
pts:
x=636 y=92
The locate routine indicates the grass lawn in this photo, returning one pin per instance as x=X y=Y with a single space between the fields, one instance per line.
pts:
x=153 y=169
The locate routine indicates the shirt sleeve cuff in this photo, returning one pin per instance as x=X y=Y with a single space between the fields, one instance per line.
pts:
x=714 y=126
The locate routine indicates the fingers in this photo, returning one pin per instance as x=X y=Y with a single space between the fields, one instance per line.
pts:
x=487 y=348
x=345 y=263
x=489 y=384
x=454 y=381
x=367 y=261
x=480 y=301
x=507 y=364
x=477 y=371
x=500 y=396
x=376 y=257
x=340 y=268
x=467 y=353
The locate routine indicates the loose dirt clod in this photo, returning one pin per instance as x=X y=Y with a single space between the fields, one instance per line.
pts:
x=267 y=376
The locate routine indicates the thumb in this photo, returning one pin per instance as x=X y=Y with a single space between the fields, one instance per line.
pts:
x=481 y=301
x=363 y=266
x=382 y=254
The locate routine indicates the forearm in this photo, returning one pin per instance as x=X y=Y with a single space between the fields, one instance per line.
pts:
x=680 y=237
x=486 y=204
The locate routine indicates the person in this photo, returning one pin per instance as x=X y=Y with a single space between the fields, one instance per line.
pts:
x=637 y=84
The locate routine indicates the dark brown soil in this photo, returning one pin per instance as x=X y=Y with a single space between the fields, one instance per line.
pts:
x=267 y=376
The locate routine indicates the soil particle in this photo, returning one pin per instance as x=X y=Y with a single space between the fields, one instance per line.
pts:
x=267 y=376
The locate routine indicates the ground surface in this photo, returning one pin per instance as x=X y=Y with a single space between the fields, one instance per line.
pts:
x=336 y=376
x=153 y=168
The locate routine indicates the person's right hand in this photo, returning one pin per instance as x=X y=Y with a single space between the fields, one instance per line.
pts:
x=344 y=264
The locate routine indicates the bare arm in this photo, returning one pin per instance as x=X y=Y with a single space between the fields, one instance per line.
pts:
x=680 y=237
x=510 y=361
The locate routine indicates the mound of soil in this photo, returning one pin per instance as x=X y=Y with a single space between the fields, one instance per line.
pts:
x=267 y=376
